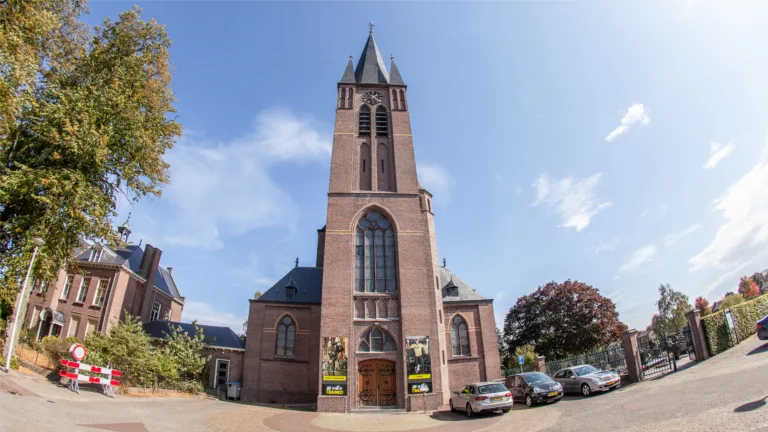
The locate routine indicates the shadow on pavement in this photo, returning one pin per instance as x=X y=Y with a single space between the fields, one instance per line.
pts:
x=759 y=350
x=751 y=406
x=459 y=416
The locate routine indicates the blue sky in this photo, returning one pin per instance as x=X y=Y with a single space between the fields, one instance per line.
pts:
x=621 y=144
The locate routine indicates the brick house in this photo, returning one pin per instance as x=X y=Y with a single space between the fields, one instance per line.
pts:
x=377 y=321
x=226 y=350
x=99 y=287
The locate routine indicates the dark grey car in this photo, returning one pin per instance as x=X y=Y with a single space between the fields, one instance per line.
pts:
x=586 y=379
x=534 y=388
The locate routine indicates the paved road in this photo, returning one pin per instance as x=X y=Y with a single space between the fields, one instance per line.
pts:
x=726 y=393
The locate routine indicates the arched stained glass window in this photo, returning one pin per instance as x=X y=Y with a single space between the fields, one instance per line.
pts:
x=375 y=269
x=459 y=337
x=376 y=340
x=286 y=335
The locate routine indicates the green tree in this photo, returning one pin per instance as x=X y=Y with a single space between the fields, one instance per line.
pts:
x=560 y=319
x=128 y=349
x=186 y=353
x=85 y=117
x=730 y=301
x=529 y=354
x=672 y=306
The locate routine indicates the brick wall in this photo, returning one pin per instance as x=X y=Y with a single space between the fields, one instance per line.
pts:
x=235 y=365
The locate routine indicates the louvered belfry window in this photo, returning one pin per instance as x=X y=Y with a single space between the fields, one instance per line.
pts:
x=365 y=120
x=381 y=121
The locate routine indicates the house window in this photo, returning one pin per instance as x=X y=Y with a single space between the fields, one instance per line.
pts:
x=95 y=255
x=74 y=326
x=83 y=292
x=376 y=340
x=459 y=337
x=222 y=373
x=381 y=121
x=101 y=292
x=364 y=125
x=67 y=286
x=35 y=316
x=286 y=335
x=375 y=254
x=290 y=290
x=155 y=315
x=91 y=327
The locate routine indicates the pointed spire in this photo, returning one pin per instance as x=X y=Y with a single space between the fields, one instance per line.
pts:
x=349 y=73
x=297 y=261
x=370 y=68
x=395 y=78
x=124 y=230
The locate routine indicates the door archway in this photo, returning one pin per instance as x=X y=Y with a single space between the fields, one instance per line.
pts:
x=376 y=383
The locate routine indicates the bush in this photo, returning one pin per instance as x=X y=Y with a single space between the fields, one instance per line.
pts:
x=14 y=362
x=745 y=316
x=58 y=348
x=177 y=364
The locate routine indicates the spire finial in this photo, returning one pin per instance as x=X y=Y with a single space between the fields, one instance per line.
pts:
x=371 y=24
x=297 y=261
x=444 y=262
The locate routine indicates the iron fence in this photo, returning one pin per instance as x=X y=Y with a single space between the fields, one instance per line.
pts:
x=608 y=359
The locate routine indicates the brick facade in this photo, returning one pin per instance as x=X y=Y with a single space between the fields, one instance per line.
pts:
x=370 y=171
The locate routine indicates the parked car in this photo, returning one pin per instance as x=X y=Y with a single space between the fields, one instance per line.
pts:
x=534 y=388
x=482 y=396
x=586 y=379
x=762 y=328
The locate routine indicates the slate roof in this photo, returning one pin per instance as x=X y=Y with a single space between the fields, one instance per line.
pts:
x=370 y=68
x=394 y=76
x=466 y=292
x=215 y=336
x=349 y=73
x=308 y=282
x=130 y=258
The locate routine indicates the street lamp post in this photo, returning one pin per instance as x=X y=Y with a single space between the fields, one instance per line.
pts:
x=19 y=302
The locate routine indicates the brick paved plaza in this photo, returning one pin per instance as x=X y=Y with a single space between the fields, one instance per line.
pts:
x=726 y=393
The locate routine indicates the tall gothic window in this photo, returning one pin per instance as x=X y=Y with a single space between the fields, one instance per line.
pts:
x=376 y=340
x=364 y=127
x=459 y=337
x=286 y=335
x=381 y=121
x=375 y=255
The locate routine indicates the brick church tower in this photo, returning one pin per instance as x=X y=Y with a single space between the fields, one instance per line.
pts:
x=381 y=292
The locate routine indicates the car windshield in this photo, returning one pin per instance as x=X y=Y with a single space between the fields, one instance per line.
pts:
x=537 y=377
x=492 y=388
x=584 y=370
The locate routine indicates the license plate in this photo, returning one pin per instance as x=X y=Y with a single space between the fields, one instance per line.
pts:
x=497 y=398
x=612 y=382
x=552 y=394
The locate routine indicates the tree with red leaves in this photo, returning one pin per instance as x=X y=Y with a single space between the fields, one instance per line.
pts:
x=748 y=288
x=702 y=305
x=561 y=319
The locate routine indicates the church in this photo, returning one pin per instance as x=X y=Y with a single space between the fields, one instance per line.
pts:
x=378 y=322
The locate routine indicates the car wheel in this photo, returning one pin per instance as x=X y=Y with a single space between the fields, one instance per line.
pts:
x=469 y=411
x=452 y=407
x=528 y=401
x=586 y=390
x=505 y=410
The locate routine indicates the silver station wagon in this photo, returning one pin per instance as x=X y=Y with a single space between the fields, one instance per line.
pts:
x=482 y=396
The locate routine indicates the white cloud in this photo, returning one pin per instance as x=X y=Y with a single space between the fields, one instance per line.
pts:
x=717 y=153
x=636 y=113
x=499 y=178
x=437 y=180
x=608 y=245
x=744 y=232
x=574 y=199
x=672 y=239
x=640 y=257
x=226 y=188
x=250 y=276
x=204 y=314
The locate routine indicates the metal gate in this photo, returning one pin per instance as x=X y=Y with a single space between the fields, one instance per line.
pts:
x=689 y=343
x=656 y=357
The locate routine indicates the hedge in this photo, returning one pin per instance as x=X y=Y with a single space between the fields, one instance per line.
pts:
x=745 y=317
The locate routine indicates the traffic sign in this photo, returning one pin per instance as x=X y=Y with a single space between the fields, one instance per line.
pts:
x=77 y=351
x=520 y=359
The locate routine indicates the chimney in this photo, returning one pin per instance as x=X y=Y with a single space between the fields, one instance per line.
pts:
x=170 y=270
x=149 y=263
x=320 y=247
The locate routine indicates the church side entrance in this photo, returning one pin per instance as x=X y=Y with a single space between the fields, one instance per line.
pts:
x=376 y=383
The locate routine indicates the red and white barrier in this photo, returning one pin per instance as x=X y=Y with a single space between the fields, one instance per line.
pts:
x=89 y=368
x=90 y=379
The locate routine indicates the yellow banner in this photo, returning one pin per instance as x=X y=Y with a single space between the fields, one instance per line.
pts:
x=334 y=378
x=419 y=376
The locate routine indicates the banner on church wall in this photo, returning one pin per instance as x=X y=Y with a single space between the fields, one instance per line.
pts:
x=334 y=365
x=418 y=364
